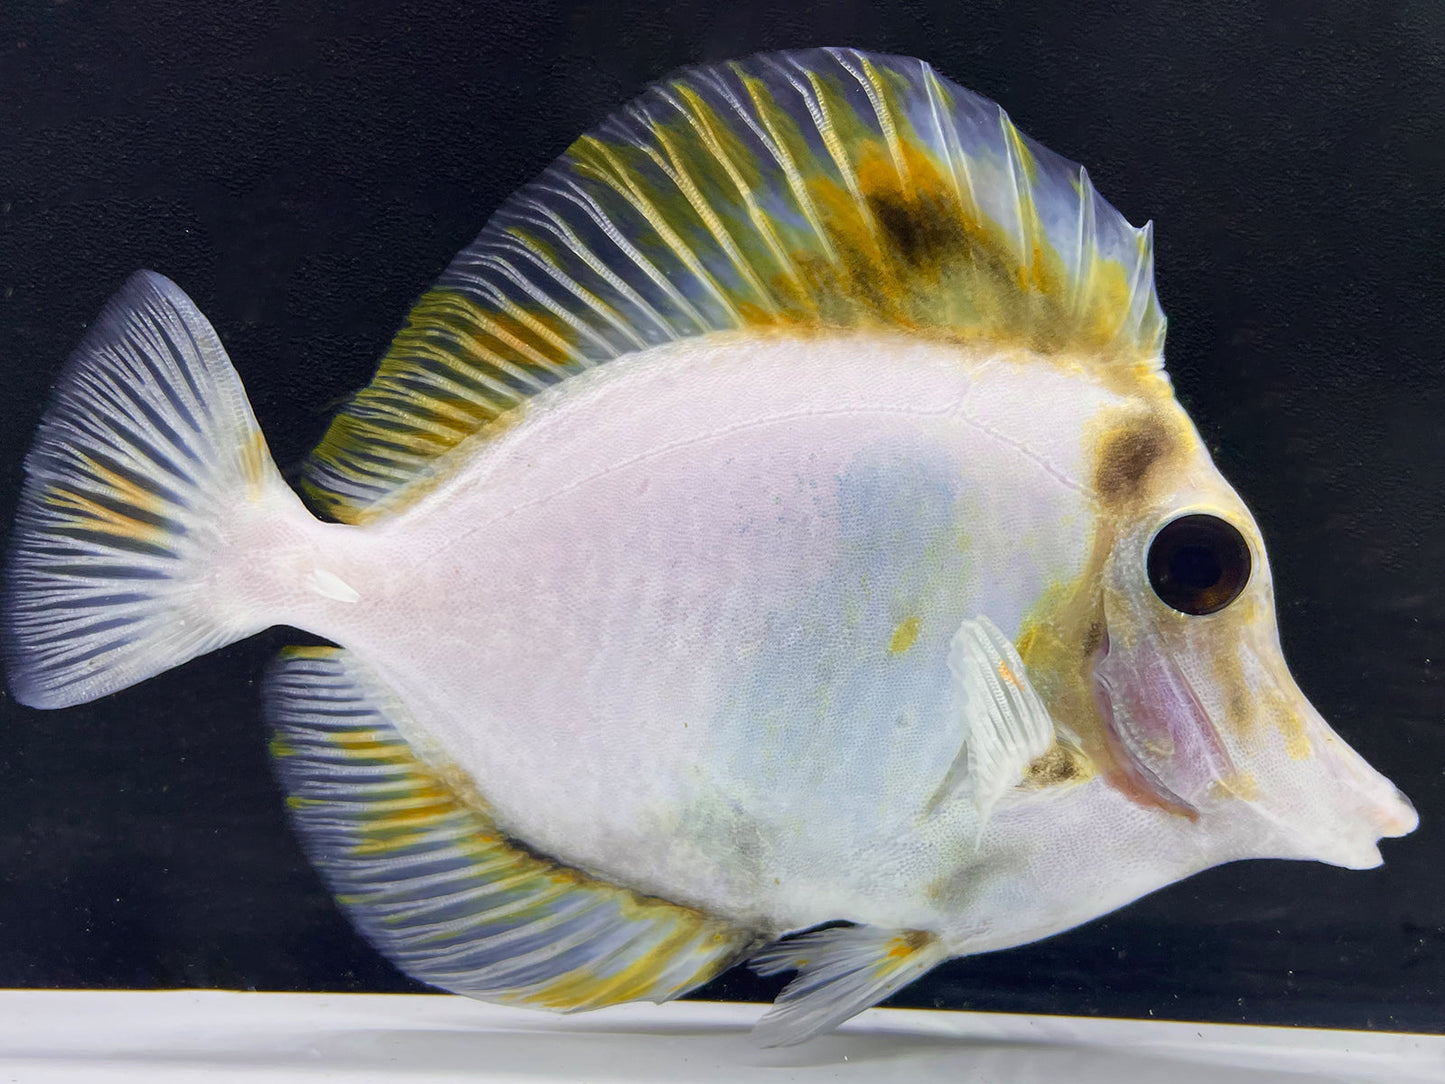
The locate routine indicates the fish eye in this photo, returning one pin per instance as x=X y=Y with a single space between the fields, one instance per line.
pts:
x=1198 y=564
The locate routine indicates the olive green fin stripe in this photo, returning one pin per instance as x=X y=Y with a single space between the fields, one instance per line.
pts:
x=797 y=192
x=413 y=856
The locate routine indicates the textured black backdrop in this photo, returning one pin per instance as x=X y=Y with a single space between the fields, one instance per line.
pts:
x=304 y=176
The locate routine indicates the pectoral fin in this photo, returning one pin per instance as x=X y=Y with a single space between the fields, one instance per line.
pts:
x=1006 y=725
x=841 y=972
x=411 y=852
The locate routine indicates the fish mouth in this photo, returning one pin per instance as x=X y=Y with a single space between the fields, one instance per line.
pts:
x=1382 y=809
x=1338 y=801
x=1389 y=820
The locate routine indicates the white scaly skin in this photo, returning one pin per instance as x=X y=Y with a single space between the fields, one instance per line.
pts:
x=686 y=626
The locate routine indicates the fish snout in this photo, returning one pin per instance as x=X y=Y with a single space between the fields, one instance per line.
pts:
x=1382 y=803
x=1356 y=805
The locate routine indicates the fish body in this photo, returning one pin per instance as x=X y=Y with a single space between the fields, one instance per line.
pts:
x=762 y=677
x=779 y=516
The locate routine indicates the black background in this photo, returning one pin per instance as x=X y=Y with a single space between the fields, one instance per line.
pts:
x=303 y=176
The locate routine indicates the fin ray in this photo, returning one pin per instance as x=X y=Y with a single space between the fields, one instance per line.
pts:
x=1007 y=727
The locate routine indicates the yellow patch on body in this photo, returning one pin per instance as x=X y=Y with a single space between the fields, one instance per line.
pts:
x=1296 y=740
x=1240 y=784
x=1060 y=766
x=905 y=633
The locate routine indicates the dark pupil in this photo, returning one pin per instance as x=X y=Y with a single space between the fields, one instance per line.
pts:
x=1198 y=564
x=1194 y=568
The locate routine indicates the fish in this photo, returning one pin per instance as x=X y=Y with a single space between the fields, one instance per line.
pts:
x=775 y=540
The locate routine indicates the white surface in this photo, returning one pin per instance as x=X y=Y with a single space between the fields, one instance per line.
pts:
x=104 y=1037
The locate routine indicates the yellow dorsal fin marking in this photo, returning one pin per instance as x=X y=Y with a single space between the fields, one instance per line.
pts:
x=699 y=115
x=675 y=166
x=633 y=254
x=621 y=179
x=589 y=300
x=577 y=328
x=773 y=119
x=535 y=323
x=873 y=88
x=818 y=106
x=491 y=327
x=572 y=243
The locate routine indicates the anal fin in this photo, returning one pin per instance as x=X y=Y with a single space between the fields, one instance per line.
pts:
x=428 y=878
x=841 y=971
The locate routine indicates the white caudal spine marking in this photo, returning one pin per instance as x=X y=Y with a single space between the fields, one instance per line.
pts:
x=329 y=585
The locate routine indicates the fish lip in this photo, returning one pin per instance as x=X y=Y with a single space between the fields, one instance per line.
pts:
x=1384 y=823
x=1366 y=857
x=1404 y=824
x=1351 y=838
x=1381 y=808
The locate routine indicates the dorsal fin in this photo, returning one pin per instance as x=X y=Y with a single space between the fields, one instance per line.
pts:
x=798 y=191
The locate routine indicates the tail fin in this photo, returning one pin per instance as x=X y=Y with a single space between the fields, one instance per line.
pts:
x=147 y=448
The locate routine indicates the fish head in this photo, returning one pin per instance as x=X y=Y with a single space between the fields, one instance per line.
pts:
x=1199 y=710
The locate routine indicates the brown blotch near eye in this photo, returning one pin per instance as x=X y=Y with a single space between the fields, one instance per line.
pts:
x=1093 y=637
x=1127 y=454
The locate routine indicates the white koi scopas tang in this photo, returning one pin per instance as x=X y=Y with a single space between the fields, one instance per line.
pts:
x=778 y=516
